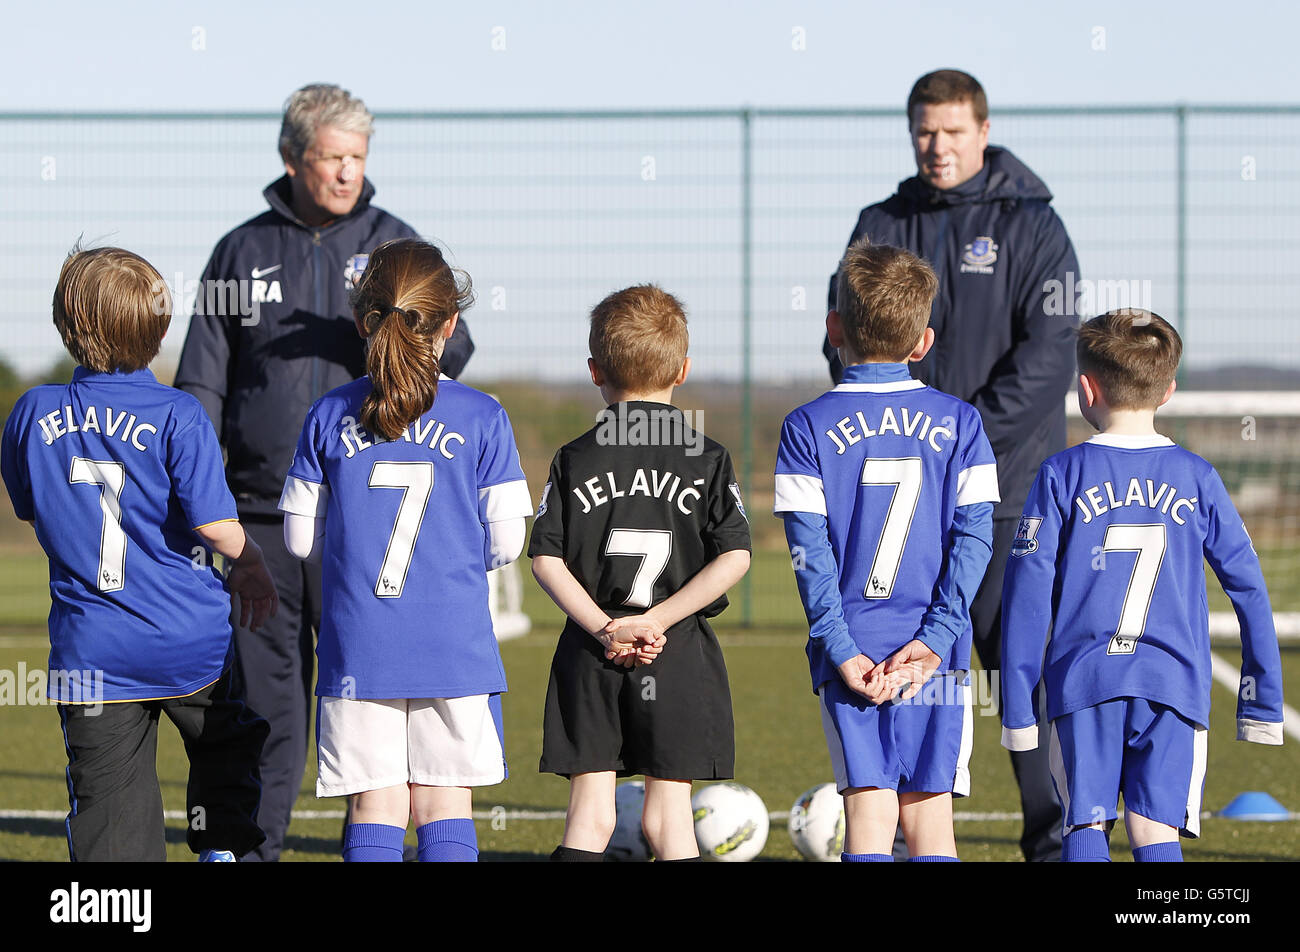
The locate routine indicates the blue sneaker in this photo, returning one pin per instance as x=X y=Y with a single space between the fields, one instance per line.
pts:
x=216 y=856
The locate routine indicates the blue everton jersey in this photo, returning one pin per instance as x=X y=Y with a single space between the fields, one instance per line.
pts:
x=405 y=603
x=887 y=461
x=1108 y=561
x=117 y=471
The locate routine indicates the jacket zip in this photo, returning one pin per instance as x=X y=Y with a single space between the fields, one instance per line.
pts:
x=319 y=294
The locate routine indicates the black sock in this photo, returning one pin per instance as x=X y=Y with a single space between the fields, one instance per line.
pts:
x=684 y=859
x=567 y=854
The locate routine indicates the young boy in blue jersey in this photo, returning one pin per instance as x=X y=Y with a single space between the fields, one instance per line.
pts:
x=122 y=479
x=886 y=488
x=407 y=486
x=639 y=535
x=1108 y=561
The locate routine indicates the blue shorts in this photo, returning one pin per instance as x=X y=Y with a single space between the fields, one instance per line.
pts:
x=917 y=746
x=1146 y=751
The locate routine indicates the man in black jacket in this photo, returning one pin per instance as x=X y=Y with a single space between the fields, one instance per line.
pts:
x=983 y=221
x=273 y=332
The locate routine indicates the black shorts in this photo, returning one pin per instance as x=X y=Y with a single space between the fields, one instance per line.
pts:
x=670 y=719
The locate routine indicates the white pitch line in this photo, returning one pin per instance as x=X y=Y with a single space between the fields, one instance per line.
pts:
x=1285 y=624
x=1229 y=677
x=778 y=816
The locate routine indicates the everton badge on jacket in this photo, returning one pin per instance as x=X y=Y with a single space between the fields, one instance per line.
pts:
x=979 y=256
x=352 y=270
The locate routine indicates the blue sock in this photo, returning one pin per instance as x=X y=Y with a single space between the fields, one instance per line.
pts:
x=373 y=843
x=933 y=858
x=1159 y=853
x=1085 y=845
x=866 y=858
x=448 y=841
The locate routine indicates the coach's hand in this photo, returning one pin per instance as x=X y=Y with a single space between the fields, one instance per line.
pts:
x=252 y=582
x=911 y=665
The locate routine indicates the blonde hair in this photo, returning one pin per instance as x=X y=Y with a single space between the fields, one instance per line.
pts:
x=883 y=296
x=405 y=297
x=638 y=338
x=111 y=308
x=1133 y=354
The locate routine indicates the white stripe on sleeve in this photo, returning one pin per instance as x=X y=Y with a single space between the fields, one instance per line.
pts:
x=799 y=494
x=304 y=498
x=1020 y=738
x=978 y=484
x=1259 y=732
x=505 y=501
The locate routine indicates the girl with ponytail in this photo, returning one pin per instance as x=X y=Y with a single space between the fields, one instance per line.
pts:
x=407 y=486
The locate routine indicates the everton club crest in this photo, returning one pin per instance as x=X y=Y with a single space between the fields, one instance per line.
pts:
x=979 y=256
x=352 y=270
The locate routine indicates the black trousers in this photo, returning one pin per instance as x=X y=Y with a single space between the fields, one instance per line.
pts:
x=116 y=809
x=1040 y=840
x=273 y=668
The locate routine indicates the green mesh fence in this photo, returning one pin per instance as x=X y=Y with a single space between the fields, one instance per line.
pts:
x=1193 y=211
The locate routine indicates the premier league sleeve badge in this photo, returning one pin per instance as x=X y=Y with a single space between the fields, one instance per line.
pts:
x=1025 y=541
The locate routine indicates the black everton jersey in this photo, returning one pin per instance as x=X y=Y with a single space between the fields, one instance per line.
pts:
x=637 y=505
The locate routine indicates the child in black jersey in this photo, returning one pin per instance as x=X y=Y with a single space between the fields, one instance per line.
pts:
x=639 y=535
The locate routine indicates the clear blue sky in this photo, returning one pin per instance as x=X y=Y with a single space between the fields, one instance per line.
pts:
x=570 y=54
x=170 y=191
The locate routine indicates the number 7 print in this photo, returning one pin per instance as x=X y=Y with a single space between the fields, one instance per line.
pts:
x=416 y=482
x=905 y=476
x=1149 y=544
x=111 y=478
x=653 y=547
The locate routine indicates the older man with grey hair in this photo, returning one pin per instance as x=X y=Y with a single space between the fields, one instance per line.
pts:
x=272 y=332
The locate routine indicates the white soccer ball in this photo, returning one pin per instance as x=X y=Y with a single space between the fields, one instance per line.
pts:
x=628 y=844
x=817 y=824
x=730 y=822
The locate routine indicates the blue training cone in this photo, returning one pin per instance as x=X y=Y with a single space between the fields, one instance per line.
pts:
x=1254 y=805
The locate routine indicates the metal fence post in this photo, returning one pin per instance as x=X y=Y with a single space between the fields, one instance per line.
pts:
x=1180 y=265
x=747 y=338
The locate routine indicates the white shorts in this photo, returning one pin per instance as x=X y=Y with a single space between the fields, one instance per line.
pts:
x=366 y=744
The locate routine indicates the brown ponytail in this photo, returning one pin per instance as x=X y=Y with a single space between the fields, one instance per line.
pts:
x=405 y=298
